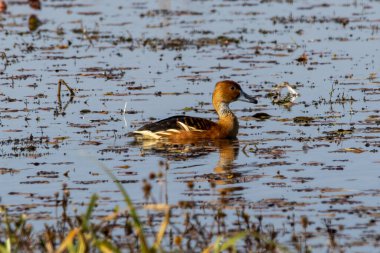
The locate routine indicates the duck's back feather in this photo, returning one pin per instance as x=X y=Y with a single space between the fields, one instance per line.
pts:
x=173 y=123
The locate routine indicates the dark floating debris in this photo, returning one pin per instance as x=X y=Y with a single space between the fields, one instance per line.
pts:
x=34 y=23
x=261 y=116
x=8 y=171
x=182 y=43
x=303 y=119
x=303 y=58
x=3 y=6
x=35 y=4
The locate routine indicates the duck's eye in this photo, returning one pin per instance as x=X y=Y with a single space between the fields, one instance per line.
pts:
x=233 y=88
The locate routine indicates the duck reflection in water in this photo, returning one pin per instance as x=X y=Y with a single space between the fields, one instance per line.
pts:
x=181 y=150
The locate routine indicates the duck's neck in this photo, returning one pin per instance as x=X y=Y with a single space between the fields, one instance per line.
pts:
x=228 y=122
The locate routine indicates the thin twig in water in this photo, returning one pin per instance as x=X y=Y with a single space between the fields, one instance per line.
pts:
x=243 y=150
x=4 y=58
x=60 y=82
x=72 y=94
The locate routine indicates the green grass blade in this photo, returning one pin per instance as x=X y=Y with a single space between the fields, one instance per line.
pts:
x=218 y=243
x=106 y=247
x=90 y=209
x=230 y=242
x=136 y=220
x=4 y=249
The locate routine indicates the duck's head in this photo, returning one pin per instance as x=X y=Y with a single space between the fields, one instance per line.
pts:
x=228 y=91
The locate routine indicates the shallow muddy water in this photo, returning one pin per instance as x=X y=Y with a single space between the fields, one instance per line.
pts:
x=316 y=157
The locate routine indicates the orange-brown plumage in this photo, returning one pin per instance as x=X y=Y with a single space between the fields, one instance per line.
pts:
x=185 y=127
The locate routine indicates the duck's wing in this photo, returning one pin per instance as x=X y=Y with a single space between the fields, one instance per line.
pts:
x=175 y=123
x=172 y=125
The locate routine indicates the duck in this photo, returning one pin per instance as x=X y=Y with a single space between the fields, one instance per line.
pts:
x=184 y=127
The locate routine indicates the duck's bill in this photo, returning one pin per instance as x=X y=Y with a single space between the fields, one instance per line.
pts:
x=247 y=98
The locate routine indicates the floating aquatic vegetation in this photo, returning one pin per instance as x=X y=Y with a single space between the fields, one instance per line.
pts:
x=34 y=23
x=283 y=99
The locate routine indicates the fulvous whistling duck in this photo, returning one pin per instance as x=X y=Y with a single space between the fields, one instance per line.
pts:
x=187 y=128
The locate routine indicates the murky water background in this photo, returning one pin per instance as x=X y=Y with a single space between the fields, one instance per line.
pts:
x=163 y=58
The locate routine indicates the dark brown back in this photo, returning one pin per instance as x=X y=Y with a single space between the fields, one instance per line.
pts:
x=172 y=123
